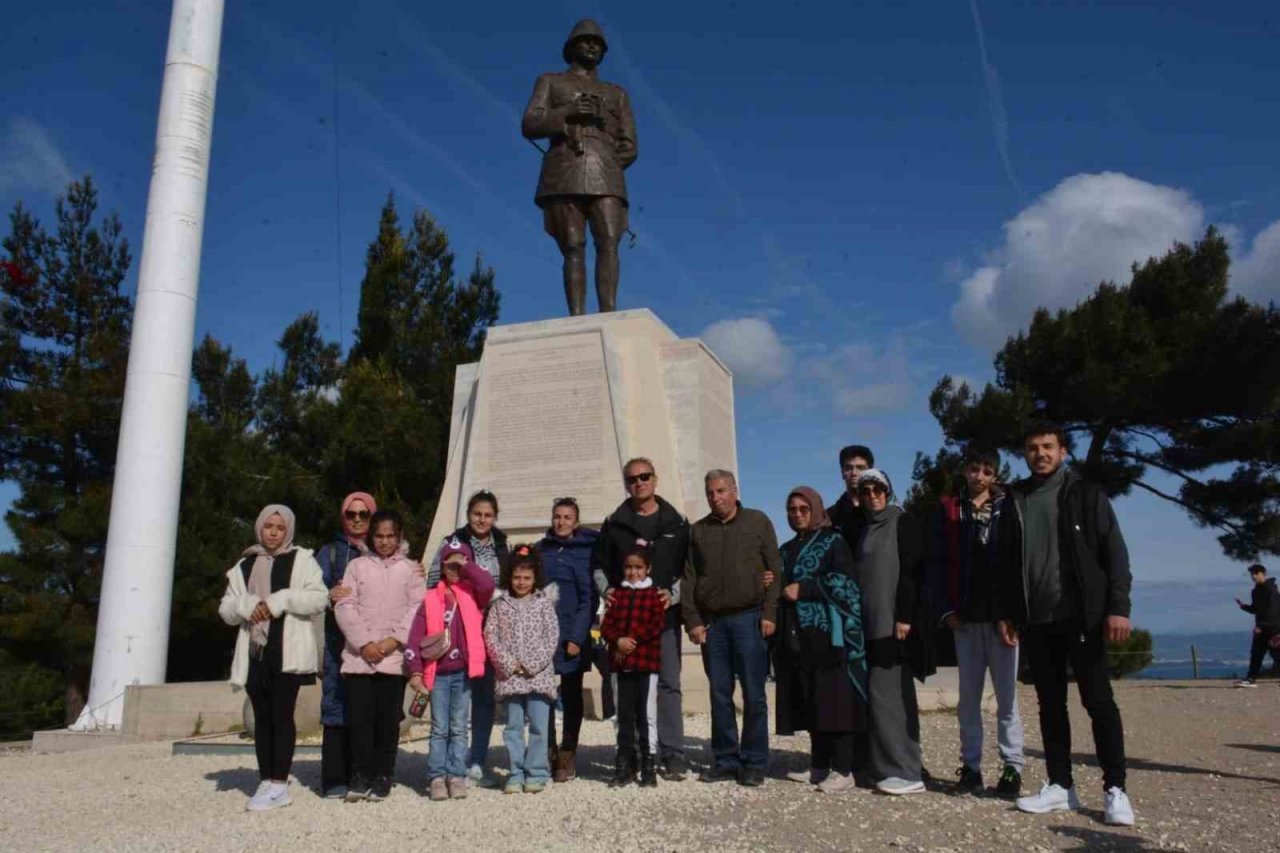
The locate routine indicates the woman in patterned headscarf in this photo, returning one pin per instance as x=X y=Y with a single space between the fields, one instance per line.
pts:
x=819 y=653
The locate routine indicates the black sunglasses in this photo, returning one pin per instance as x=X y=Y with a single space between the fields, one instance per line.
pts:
x=638 y=478
x=874 y=488
x=357 y=515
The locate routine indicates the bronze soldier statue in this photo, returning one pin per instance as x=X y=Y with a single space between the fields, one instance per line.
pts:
x=593 y=138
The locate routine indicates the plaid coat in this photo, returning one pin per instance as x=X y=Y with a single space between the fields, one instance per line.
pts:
x=639 y=614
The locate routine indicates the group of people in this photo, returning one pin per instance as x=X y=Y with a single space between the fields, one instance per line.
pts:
x=848 y=611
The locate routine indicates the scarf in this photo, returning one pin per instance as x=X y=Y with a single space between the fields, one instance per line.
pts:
x=817 y=513
x=357 y=542
x=876 y=558
x=260 y=575
x=839 y=613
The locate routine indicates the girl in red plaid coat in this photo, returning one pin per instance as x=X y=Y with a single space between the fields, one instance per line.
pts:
x=632 y=627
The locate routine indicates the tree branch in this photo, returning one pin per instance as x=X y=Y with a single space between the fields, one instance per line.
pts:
x=1216 y=521
x=1154 y=463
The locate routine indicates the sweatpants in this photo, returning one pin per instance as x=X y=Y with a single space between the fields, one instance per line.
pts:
x=1049 y=649
x=894 y=736
x=636 y=695
x=375 y=706
x=979 y=650
x=335 y=758
x=273 y=695
x=831 y=751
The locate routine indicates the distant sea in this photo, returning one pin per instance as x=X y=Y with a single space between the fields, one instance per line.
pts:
x=1223 y=654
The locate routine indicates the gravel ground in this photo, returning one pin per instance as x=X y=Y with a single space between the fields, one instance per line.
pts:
x=1204 y=775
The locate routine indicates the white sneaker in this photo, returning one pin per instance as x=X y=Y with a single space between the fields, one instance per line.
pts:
x=1246 y=682
x=837 y=783
x=812 y=776
x=1118 y=810
x=259 y=797
x=898 y=787
x=275 y=796
x=1052 y=798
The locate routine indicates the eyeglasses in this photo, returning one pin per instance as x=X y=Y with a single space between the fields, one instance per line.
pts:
x=873 y=489
x=643 y=477
x=800 y=510
x=356 y=515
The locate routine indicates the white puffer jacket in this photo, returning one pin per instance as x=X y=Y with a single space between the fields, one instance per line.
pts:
x=301 y=605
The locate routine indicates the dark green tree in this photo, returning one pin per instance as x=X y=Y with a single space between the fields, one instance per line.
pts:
x=1165 y=374
x=64 y=347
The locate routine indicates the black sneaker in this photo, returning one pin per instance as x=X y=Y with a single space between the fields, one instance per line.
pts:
x=380 y=789
x=968 y=781
x=1010 y=784
x=751 y=777
x=675 y=768
x=716 y=774
x=358 y=789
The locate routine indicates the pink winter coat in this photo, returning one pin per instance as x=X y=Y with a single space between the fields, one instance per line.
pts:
x=472 y=592
x=384 y=595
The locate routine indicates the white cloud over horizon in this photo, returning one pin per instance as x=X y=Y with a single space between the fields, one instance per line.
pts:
x=1088 y=229
x=31 y=160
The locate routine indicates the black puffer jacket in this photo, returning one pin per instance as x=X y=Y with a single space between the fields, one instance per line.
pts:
x=1091 y=546
x=1265 y=605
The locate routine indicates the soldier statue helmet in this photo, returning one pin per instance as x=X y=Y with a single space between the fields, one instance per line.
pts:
x=592 y=136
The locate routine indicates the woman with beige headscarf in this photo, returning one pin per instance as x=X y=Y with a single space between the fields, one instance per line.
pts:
x=275 y=595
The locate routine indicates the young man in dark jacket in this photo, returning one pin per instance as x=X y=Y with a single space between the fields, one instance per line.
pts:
x=1265 y=607
x=960 y=572
x=646 y=520
x=1063 y=590
x=846 y=517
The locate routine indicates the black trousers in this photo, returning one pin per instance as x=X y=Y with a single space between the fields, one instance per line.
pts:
x=1049 y=648
x=335 y=758
x=1258 y=651
x=273 y=695
x=375 y=706
x=831 y=751
x=571 y=702
x=636 y=694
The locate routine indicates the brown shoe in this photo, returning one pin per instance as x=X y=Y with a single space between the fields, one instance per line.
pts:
x=439 y=789
x=457 y=787
x=565 y=769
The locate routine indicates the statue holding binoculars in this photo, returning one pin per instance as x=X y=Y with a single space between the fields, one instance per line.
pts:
x=592 y=137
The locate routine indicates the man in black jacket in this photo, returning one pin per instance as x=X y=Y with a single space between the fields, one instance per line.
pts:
x=1063 y=590
x=647 y=520
x=1265 y=607
x=845 y=515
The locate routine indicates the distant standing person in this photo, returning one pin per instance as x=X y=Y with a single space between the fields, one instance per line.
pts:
x=489 y=551
x=645 y=519
x=844 y=513
x=1265 y=607
x=731 y=614
x=566 y=561
x=1063 y=585
x=275 y=596
x=333 y=557
x=961 y=573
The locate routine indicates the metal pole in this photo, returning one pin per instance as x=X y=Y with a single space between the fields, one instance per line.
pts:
x=1195 y=662
x=132 y=640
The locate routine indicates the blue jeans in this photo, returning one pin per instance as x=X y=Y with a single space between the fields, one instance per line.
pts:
x=528 y=763
x=450 y=707
x=483 y=707
x=736 y=651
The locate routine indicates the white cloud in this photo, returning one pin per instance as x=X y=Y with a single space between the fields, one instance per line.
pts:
x=1256 y=273
x=1087 y=229
x=751 y=348
x=29 y=159
x=862 y=378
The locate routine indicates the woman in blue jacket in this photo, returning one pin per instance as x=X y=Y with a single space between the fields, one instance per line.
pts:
x=566 y=559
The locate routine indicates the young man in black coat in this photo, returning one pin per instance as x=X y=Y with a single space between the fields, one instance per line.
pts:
x=1063 y=591
x=647 y=520
x=1265 y=607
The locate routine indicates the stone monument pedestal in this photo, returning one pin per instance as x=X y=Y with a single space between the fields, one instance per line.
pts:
x=555 y=407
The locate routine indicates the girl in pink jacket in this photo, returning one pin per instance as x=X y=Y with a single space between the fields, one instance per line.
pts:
x=374 y=618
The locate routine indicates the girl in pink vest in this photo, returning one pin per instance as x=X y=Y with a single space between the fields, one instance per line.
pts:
x=445 y=655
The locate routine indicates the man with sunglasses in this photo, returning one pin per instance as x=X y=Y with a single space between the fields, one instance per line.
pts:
x=960 y=573
x=645 y=519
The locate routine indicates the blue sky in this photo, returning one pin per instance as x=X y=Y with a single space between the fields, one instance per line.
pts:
x=846 y=200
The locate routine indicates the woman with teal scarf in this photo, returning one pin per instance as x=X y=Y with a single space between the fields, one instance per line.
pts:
x=819 y=651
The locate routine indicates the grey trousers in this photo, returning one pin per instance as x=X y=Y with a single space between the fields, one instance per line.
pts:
x=894 y=751
x=670 y=700
x=979 y=650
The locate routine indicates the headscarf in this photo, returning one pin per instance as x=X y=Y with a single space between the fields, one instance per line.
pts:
x=875 y=475
x=817 y=513
x=357 y=542
x=260 y=575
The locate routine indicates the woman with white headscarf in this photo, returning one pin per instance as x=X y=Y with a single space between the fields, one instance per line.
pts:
x=275 y=595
